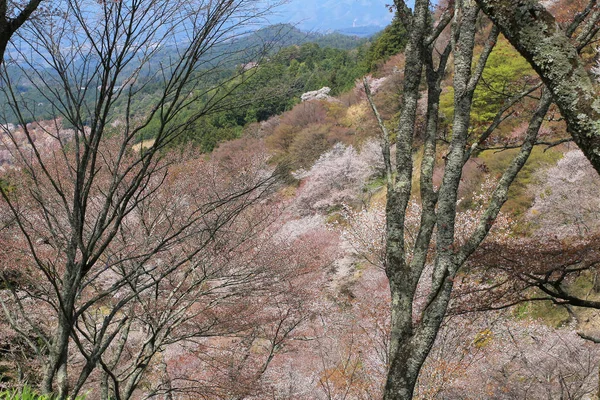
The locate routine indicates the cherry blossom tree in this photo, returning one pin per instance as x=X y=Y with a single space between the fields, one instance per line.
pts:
x=572 y=181
x=339 y=176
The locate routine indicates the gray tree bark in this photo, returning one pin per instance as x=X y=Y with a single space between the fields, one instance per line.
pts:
x=533 y=31
x=403 y=372
x=413 y=331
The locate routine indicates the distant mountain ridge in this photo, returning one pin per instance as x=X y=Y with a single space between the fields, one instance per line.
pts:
x=284 y=35
x=228 y=56
x=361 y=31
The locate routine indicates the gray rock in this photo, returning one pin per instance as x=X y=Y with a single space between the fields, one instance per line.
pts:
x=321 y=94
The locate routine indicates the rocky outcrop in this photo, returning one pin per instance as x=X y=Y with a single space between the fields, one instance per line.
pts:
x=321 y=94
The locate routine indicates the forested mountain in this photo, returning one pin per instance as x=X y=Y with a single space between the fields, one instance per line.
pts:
x=333 y=50
x=281 y=63
x=285 y=35
x=297 y=216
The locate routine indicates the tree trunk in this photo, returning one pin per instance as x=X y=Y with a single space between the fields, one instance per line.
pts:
x=5 y=32
x=8 y=26
x=3 y=44
x=56 y=369
x=402 y=376
x=399 y=385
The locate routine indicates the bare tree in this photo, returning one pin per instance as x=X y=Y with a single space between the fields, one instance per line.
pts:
x=437 y=244
x=98 y=219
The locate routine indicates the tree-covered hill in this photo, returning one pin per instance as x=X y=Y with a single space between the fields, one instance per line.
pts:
x=222 y=61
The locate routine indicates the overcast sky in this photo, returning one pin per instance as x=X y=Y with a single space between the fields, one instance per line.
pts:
x=323 y=15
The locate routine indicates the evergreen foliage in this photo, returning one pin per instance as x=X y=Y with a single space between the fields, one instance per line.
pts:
x=391 y=41
x=275 y=86
x=309 y=62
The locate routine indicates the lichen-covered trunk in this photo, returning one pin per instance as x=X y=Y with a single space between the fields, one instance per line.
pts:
x=411 y=340
x=414 y=331
x=412 y=349
x=533 y=31
x=401 y=380
x=403 y=373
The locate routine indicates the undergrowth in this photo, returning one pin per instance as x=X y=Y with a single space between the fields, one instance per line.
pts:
x=27 y=393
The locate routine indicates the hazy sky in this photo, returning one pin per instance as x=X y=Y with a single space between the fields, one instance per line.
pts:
x=324 y=15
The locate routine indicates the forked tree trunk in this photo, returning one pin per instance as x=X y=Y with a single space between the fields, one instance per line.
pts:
x=8 y=26
x=57 y=364
x=413 y=332
x=56 y=367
